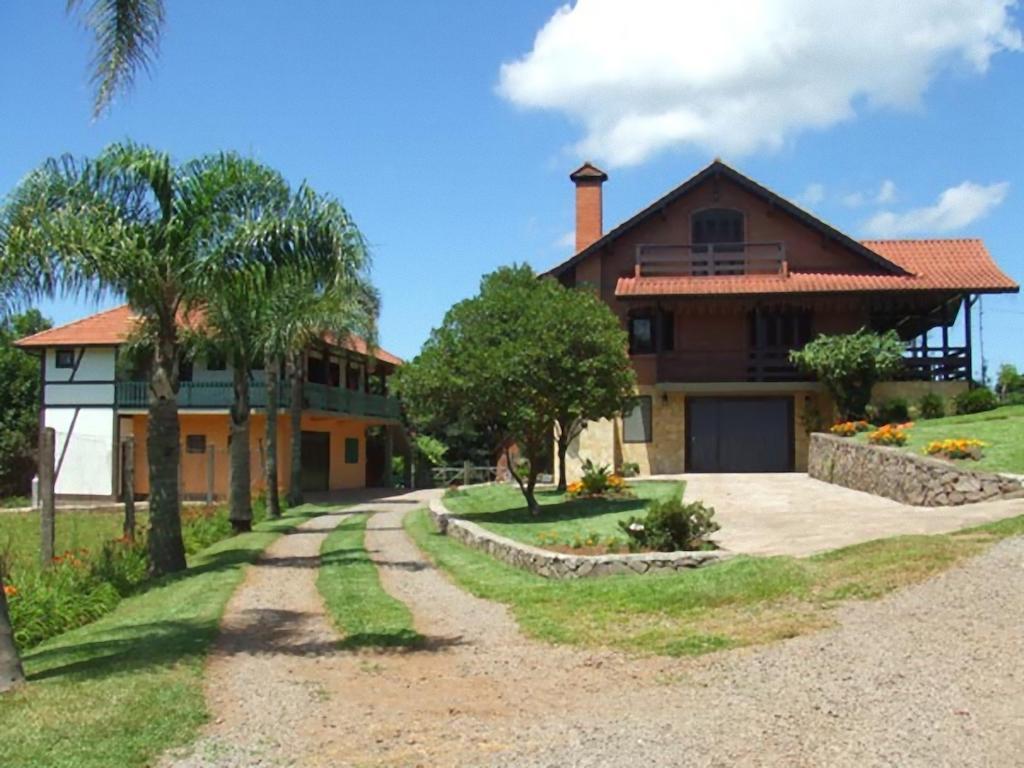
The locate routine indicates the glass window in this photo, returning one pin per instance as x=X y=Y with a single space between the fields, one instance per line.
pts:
x=641 y=334
x=636 y=424
x=195 y=444
x=65 y=358
x=351 y=450
x=717 y=226
x=316 y=371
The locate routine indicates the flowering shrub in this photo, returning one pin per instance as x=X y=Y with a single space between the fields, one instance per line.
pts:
x=671 y=525
x=597 y=480
x=890 y=434
x=955 y=448
x=849 y=428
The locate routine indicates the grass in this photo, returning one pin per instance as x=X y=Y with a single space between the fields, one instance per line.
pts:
x=75 y=528
x=125 y=688
x=743 y=601
x=357 y=604
x=500 y=508
x=13 y=502
x=1002 y=429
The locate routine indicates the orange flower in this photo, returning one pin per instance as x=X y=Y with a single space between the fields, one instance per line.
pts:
x=10 y=590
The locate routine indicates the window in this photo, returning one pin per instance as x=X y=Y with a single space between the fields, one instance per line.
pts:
x=717 y=225
x=316 y=371
x=216 y=361
x=636 y=424
x=784 y=329
x=65 y=358
x=353 y=376
x=334 y=374
x=195 y=444
x=351 y=450
x=651 y=330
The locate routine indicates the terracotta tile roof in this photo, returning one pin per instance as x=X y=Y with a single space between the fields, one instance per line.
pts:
x=958 y=265
x=115 y=325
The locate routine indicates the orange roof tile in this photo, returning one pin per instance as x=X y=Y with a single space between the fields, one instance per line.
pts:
x=114 y=326
x=934 y=265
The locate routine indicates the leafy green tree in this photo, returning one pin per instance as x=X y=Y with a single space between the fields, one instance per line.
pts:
x=19 y=393
x=132 y=222
x=849 y=365
x=127 y=37
x=1009 y=380
x=498 y=362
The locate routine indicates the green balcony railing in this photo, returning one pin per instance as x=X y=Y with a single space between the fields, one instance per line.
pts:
x=216 y=395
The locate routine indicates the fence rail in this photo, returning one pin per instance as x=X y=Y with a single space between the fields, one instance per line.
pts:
x=216 y=394
x=713 y=259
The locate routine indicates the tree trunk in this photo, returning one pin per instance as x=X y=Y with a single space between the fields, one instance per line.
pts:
x=163 y=445
x=128 y=485
x=47 y=510
x=240 y=501
x=11 y=672
x=295 y=495
x=562 y=447
x=270 y=469
x=527 y=488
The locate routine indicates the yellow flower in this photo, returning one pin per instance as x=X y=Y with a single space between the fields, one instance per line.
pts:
x=10 y=590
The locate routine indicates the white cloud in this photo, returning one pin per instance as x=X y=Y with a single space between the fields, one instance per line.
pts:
x=853 y=200
x=956 y=208
x=886 y=193
x=813 y=194
x=566 y=240
x=736 y=76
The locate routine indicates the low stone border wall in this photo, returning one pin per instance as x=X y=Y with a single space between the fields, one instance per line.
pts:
x=897 y=474
x=556 y=565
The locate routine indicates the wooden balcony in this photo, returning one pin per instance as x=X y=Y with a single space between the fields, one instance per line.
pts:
x=712 y=260
x=219 y=395
x=731 y=365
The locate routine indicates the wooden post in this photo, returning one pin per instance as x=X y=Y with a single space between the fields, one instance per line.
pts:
x=389 y=453
x=467 y=471
x=967 y=340
x=211 y=458
x=128 y=485
x=47 y=511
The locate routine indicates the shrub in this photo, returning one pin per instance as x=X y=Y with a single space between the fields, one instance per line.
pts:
x=629 y=469
x=931 y=406
x=976 y=400
x=597 y=480
x=849 y=428
x=956 y=448
x=203 y=526
x=890 y=434
x=671 y=525
x=850 y=364
x=895 y=410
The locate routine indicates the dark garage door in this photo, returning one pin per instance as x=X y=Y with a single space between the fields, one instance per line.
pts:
x=739 y=434
x=316 y=461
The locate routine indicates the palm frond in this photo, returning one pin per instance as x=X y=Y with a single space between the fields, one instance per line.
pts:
x=127 y=40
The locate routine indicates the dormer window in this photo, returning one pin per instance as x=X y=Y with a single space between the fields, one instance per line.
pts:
x=714 y=226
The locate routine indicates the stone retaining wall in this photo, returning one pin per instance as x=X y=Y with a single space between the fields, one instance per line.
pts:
x=556 y=565
x=897 y=474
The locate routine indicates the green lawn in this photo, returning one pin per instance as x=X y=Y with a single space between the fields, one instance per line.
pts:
x=565 y=521
x=743 y=601
x=350 y=584
x=123 y=689
x=1002 y=429
x=76 y=529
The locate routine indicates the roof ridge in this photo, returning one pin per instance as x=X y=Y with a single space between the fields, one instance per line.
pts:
x=923 y=240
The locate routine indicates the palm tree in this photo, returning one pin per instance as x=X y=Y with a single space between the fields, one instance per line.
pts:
x=300 y=312
x=133 y=223
x=127 y=36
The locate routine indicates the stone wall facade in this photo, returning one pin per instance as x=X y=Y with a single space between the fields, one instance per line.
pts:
x=896 y=474
x=556 y=565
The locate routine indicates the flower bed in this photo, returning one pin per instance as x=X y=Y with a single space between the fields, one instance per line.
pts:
x=956 y=448
x=850 y=428
x=890 y=434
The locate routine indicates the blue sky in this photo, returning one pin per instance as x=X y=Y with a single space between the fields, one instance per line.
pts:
x=452 y=168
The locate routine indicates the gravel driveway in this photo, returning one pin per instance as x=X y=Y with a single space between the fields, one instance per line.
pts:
x=927 y=676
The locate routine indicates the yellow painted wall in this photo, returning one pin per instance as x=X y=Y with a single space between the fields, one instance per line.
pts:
x=216 y=428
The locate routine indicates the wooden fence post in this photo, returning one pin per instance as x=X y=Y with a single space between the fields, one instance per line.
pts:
x=467 y=472
x=211 y=454
x=128 y=485
x=47 y=511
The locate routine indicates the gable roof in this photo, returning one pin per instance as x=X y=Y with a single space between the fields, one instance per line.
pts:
x=927 y=265
x=114 y=326
x=718 y=169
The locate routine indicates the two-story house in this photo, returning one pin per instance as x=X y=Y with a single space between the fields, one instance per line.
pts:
x=718 y=280
x=95 y=396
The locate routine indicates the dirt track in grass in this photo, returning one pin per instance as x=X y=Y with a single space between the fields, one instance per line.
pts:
x=926 y=676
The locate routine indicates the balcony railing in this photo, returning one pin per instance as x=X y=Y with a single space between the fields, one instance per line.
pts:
x=948 y=364
x=217 y=395
x=689 y=260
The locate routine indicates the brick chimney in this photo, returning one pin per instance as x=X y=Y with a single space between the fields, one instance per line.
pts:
x=588 y=179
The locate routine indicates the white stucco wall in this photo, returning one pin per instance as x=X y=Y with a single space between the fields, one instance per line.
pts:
x=87 y=465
